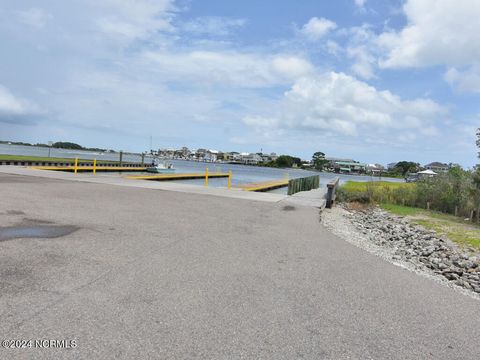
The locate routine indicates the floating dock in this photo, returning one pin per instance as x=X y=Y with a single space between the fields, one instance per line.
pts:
x=98 y=168
x=264 y=186
x=165 y=177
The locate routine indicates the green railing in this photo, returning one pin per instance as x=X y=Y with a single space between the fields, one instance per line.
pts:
x=303 y=184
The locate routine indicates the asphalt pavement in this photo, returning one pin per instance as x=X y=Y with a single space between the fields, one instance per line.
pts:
x=147 y=273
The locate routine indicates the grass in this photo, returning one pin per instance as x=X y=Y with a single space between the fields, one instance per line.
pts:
x=456 y=229
x=360 y=186
x=401 y=210
x=47 y=159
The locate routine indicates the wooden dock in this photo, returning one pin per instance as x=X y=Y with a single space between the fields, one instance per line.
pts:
x=165 y=177
x=264 y=186
x=99 y=168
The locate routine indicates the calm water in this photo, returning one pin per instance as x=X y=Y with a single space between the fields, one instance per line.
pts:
x=64 y=153
x=241 y=174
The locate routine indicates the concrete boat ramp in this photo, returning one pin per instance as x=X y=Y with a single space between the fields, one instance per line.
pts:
x=315 y=198
x=124 y=270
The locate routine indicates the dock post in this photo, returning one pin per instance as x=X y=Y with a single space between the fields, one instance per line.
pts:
x=229 y=179
x=75 y=167
x=143 y=159
x=94 y=166
x=121 y=158
x=206 y=176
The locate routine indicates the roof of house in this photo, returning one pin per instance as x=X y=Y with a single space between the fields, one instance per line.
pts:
x=348 y=163
x=437 y=164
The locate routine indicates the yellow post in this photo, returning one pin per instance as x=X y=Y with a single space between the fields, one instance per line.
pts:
x=94 y=166
x=206 y=176
x=75 y=167
x=229 y=179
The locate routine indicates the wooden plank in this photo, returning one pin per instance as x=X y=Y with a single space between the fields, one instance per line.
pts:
x=303 y=184
x=264 y=186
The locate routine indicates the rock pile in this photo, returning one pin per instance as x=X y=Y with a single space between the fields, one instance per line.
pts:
x=423 y=248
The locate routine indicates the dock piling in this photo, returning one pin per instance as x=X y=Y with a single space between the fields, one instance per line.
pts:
x=206 y=176
x=75 y=167
x=94 y=166
x=229 y=179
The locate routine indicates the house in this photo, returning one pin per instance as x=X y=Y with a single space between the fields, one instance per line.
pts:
x=211 y=155
x=331 y=164
x=437 y=167
x=200 y=154
x=268 y=157
x=250 y=158
x=375 y=169
x=348 y=167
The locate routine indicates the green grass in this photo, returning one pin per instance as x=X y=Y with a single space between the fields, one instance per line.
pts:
x=47 y=159
x=360 y=186
x=456 y=229
x=401 y=210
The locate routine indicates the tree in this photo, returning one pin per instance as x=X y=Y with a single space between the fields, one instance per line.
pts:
x=285 y=161
x=405 y=167
x=318 y=160
x=478 y=141
x=67 y=145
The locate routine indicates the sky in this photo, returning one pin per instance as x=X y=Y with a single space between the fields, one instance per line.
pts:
x=374 y=80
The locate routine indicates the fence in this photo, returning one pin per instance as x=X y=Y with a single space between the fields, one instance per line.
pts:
x=331 y=194
x=303 y=184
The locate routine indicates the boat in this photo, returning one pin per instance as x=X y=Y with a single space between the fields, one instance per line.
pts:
x=161 y=168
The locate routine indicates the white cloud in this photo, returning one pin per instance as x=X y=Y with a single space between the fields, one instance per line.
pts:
x=212 y=25
x=228 y=68
x=437 y=32
x=338 y=103
x=14 y=109
x=362 y=50
x=465 y=80
x=134 y=19
x=34 y=17
x=360 y=3
x=317 y=28
x=364 y=65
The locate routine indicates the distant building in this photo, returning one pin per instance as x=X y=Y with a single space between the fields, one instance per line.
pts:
x=348 y=167
x=437 y=167
x=374 y=169
x=211 y=155
x=268 y=157
x=250 y=158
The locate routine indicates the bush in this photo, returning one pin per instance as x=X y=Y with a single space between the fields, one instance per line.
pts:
x=457 y=188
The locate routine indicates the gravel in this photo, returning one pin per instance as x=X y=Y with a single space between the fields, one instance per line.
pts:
x=408 y=245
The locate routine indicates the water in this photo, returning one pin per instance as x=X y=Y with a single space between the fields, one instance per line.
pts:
x=40 y=231
x=242 y=174
x=66 y=153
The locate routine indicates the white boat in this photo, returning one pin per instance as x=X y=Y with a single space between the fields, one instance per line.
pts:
x=161 y=168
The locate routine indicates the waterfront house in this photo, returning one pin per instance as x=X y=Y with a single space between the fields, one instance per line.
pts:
x=211 y=155
x=374 y=169
x=437 y=167
x=347 y=167
x=250 y=158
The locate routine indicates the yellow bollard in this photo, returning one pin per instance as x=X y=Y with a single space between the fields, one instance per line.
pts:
x=229 y=179
x=94 y=166
x=206 y=176
x=75 y=167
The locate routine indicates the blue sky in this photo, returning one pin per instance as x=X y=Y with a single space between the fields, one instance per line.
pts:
x=377 y=81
